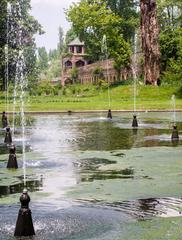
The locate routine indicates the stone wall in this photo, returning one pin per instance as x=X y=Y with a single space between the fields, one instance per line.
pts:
x=86 y=73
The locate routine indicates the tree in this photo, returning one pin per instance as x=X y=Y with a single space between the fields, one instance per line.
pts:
x=74 y=74
x=170 y=19
x=121 y=54
x=3 y=40
x=42 y=59
x=18 y=28
x=127 y=10
x=171 y=50
x=70 y=36
x=150 y=46
x=93 y=20
x=61 y=40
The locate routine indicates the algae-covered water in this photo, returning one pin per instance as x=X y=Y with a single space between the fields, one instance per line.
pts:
x=93 y=178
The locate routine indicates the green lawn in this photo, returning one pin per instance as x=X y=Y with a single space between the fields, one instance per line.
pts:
x=88 y=98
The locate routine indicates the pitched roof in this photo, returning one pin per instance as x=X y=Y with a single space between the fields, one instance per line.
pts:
x=76 y=42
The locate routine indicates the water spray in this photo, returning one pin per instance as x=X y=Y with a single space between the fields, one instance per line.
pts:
x=24 y=223
x=175 y=135
x=134 y=70
x=105 y=52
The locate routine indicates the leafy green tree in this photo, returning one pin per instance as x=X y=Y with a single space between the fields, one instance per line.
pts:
x=53 y=54
x=70 y=36
x=74 y=74
x=127 y=10
x=42 y=59
x=171 y=49
x=93 y=20
x=61 y=40
x=18 y=28
x=170 y=19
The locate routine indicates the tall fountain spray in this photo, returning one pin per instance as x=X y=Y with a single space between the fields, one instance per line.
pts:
x=173 y=103
x=134 y=70
x=24 y=224
x=175 y=135
x=105 y=54
x=7 y=58
x=12 y=161
x=4 y=116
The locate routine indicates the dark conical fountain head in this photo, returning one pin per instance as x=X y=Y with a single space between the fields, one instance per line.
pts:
x=175 y=134
x=135 y=122
x=109 y=114
x=24 y=224
x=12 y=161
x=69 y=112
x=4 y=120
x=8 y=138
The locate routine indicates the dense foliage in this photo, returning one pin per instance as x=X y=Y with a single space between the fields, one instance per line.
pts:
x=106 y=26
x=17 y=33
x=170 y=19
x=94 y=20
x=127 y=10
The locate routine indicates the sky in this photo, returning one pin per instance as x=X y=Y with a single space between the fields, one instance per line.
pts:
x=50 y=14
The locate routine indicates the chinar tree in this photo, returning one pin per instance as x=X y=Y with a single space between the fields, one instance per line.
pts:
x=91 y=20
x=150 y=45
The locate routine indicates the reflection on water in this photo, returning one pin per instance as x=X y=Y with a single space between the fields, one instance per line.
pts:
x=32 y=186
x=5 y=149
x=92 y=163
x=105 y=175
x=80 y=222
x=144 y=208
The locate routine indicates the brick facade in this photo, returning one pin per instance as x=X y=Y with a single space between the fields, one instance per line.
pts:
x=85 y=70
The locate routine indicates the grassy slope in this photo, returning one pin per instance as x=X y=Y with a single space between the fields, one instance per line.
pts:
x=148 y=98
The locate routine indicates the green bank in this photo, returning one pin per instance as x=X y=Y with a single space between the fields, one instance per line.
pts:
x=89 y=97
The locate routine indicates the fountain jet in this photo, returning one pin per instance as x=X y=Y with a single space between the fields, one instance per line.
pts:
x=8 y=138
x=174 y=135
x=135 y=122
x=104 y=50
x=12 y=162
x=24 y=224
x=4 y=120
x=134 y=70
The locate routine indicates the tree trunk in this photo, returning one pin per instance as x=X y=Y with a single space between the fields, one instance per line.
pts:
x=150 y=46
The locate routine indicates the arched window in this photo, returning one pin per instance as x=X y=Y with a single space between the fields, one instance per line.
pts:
x=68 y=64
x=79 y=63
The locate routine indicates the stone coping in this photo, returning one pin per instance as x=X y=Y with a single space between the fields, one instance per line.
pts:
x=96 y=111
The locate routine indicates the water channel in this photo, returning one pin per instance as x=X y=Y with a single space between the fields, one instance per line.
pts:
x=90 y=178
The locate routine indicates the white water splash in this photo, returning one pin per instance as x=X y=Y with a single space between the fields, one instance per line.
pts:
x=134 y=70
x=20 y=86
x=7 y=59
x=105 y=53
x=173 y=103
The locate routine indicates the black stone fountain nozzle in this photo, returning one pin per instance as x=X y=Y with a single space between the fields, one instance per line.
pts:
x=8 y=138
x=175 y=135
x=109 y=114
x=24 y=224
x=4 y=120
x=12 y=161
x=135 y=122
